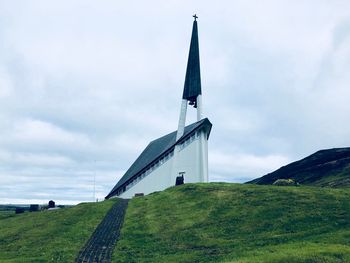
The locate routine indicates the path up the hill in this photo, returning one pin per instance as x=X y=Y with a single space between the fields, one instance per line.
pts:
x=100 y=246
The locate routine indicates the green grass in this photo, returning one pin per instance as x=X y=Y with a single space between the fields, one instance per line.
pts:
x=49 y=236
x=216 y=222
x=6 y=214
x=221 y=222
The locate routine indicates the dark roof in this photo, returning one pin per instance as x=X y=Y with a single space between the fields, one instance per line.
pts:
x=156 y=149
x=192 y=86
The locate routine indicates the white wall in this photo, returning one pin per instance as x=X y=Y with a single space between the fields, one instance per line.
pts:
x=191 y=158
x=156 y=181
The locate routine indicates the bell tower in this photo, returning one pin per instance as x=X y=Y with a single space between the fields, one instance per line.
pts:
x=191 y=164
x=192 y=93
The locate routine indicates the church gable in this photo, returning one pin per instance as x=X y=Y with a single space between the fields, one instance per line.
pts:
x=157 y=152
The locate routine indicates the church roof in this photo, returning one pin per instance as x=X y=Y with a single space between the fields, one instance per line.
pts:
x=156 y=149
x=192 y=86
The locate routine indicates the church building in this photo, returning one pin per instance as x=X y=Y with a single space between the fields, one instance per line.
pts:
x=180 y=156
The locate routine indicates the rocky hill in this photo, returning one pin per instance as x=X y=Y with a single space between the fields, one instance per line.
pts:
x=325 y=168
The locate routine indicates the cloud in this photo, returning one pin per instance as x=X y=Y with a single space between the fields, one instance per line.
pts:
x=35 y=131
x=31 y=159
x=243 y=167
x=84 y=87
x=5 y=84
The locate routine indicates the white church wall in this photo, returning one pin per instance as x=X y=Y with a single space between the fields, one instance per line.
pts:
x=191 y=158
x=187 y=160
x=203 y=156
x=157 y=180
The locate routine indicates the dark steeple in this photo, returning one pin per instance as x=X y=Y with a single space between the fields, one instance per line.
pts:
x=193 y=75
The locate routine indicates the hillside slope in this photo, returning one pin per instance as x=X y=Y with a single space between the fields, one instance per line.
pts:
x=49 y=236
x=216 y=222
x=326 y=168
x=221 y=222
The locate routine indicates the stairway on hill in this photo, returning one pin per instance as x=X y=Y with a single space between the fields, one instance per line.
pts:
x=100 y=246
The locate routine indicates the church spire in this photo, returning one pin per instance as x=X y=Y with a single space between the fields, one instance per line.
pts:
x=192 y=93
x=192 y=86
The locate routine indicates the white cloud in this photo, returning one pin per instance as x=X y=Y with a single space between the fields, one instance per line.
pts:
x=85 y=86
x=6 y=85
x=36 y=131
x=235 y=167
x=42 y=160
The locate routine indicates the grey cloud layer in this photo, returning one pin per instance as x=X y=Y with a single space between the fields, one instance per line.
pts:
x=85 y=86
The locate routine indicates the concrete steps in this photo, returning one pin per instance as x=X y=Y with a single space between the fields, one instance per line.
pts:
x=100 y=246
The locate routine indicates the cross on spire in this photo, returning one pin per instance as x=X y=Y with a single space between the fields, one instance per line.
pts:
x=195 y=17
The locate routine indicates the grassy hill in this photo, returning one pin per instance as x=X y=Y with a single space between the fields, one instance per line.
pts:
x=222 y=222
x=325 y=168
x=48 y=236
x=216 y=222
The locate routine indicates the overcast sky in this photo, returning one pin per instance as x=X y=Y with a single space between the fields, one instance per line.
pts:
x=86 y=85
